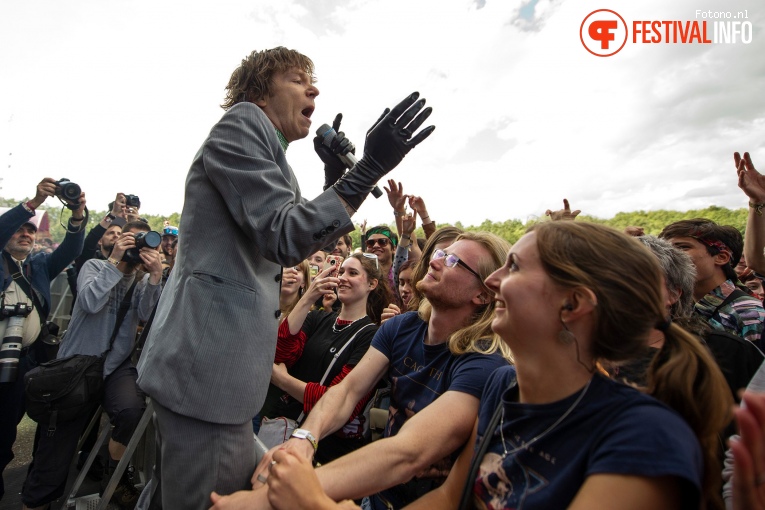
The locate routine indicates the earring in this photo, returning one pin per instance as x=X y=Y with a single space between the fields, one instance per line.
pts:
x=566 y=337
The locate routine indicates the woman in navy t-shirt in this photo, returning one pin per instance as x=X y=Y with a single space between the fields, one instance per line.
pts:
x=553 y=432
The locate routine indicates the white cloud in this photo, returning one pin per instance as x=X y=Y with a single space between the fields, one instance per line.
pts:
x=119 y=95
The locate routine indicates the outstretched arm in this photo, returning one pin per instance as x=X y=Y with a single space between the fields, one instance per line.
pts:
x=446 y=423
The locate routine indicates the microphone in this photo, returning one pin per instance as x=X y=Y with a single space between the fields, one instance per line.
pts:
x=349 y=159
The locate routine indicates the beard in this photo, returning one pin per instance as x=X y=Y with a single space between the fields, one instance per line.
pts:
x=19 y=252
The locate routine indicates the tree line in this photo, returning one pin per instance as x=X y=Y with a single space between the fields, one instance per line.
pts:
x=511 y=230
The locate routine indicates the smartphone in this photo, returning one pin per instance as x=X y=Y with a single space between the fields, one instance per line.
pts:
x=333 y=261
x=314 y=270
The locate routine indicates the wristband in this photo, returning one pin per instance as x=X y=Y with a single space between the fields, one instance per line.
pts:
x=113 y=261
x=28 y=207
x=110 y=216
x=399 y=213
x=306 y=434
x=757 y=207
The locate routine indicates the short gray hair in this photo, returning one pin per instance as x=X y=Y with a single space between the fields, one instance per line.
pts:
x=679 y=273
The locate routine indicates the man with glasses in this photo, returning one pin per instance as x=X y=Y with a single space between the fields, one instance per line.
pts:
x=437 y=366
x=382 y=242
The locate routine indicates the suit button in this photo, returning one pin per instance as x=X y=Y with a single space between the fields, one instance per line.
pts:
x=323 y=232
x=330 y=229
x=336 y=223
x=278 y=278
x=277 y=314
x=316 y=237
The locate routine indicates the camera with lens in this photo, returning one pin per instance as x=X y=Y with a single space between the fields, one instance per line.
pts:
x=10 y=349
x=149 y=239
x=69 y=193
x=17 y=310
x=132 y=201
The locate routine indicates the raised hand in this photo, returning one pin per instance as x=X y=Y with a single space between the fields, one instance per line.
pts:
x=750 y=180
x=387 y=142
x=396 y=195
x=565 y=214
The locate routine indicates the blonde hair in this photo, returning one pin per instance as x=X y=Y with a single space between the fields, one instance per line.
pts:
x=477 y=335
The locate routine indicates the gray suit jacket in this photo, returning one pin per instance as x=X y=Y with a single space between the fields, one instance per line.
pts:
x=210 y=350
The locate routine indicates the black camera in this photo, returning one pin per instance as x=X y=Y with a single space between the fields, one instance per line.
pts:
x=69 y=193
x=132 y=201
x=17 y=310
x=149 y=239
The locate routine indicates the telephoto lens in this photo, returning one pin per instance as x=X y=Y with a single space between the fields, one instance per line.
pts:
x=10 y=350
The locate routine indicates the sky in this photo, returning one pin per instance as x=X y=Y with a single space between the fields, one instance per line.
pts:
x=118 y=95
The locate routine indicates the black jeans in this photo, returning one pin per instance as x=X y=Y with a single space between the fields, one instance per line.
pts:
x=12 y=409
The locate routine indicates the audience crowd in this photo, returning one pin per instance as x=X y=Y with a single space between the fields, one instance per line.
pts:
x=582 y=367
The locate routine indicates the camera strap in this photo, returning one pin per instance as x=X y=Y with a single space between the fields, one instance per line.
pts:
x=23 y=283
x=121 y=313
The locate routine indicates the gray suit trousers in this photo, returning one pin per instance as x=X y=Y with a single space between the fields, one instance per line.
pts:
x=202 y=457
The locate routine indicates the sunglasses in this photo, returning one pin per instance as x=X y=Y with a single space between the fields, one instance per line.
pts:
x=373 y=256
x=451 y=260
x=383 y=242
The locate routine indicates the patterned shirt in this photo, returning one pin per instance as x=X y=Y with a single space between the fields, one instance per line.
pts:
x=744 y=316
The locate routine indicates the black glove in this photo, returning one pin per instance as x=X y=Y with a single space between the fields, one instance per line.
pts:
x=388 y=141
x=334 y=168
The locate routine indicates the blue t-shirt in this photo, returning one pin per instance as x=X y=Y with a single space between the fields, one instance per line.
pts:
x=613 y=429
x=419 y=374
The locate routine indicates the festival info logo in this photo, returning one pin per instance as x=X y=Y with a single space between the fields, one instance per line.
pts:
x=604 y=32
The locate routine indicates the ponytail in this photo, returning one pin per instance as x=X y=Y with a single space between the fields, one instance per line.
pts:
x=684 y=376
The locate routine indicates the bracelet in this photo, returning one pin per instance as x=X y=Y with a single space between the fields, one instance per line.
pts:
x=110 y=216
x=757 y=207
x=113 y=261
x=399 y=213
x=406 y=236
x=426 y=220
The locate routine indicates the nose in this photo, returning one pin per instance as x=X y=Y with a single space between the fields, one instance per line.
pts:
x=313 y=91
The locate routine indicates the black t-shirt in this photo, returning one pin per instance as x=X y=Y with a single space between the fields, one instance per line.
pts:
x=322 y=343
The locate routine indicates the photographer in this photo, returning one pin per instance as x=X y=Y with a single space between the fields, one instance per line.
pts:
x=26 y=280
x=103 y=286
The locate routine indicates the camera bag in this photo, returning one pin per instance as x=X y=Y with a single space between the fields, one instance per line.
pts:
x=65 y=388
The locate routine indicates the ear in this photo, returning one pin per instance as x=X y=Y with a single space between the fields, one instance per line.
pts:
x=481 y=299
x=721 y=258
x=261 y=102
x=579 y=302
x=373 y=284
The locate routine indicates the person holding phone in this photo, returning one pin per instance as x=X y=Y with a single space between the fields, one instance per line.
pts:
x=308 y=341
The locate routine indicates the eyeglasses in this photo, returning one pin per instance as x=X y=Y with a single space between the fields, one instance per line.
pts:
x=382 y=241
x=373 y=256
x=451 y=260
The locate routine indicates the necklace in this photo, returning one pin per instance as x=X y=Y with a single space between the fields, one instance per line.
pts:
x=548 y=430
x=334 y=325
